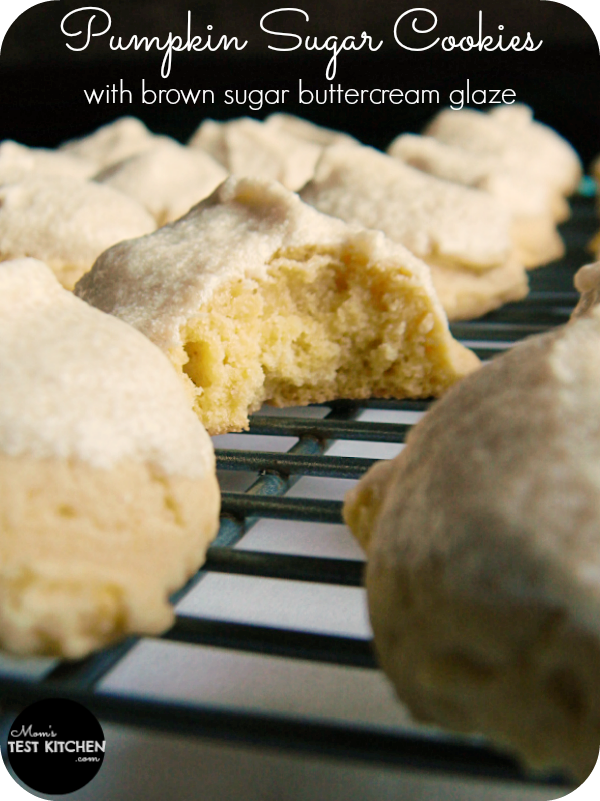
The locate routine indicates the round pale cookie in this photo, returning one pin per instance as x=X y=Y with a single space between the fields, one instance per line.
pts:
x=587 y=283
x=66 y=222
x=523 y=144
x=434 y=219
x=257 y=297
x=483 y=542
x=18 y=162
x=118 y=140
x=246 y=147
x=531 y=204
x=167 y=180
x=108 y=495
x=308 y=131
x=465 y=294
x=462 y=233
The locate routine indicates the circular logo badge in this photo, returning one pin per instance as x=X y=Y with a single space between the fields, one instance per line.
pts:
x=56 y=746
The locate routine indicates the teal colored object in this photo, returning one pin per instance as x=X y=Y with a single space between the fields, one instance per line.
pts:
x=587 y=187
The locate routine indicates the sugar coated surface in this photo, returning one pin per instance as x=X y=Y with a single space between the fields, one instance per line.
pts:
x=80 y=384
x=234 y=233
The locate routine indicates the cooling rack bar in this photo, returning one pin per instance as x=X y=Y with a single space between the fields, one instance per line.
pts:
x=296 y=568
x=490 y=331
x=328 y=429
x=553 y=313
x=431 y=753
x=84 y=674
x=339 y=406
x=304 y=509
x=291 y=463
x=264 y=640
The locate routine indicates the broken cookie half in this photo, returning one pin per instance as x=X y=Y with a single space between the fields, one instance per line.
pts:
x=257 y=297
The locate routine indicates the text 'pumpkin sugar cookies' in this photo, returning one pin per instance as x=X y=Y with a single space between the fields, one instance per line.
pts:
x=483 y=539
x=458 y=231
x=108 y=495
x=66 y=222
x=257 y=297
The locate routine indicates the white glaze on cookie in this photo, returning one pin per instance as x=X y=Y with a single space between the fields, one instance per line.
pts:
x=18 y=162
x=167 y=179
x=510 y=133
x=258 y=298
x=431 y=217
x=66 y=222
x=80 y=384
x=246 y=147
x=114 y=142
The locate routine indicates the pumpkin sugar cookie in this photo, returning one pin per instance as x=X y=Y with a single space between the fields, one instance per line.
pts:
x=483 y=544
x=66 y=222
x=463 y=234
x=510 y=134
x=113 y=142
x=18 y=162
x=533 y=227
x=246 y=147
x=168 y=179
x=257 y=297
x=108 y=494
x=308 y=131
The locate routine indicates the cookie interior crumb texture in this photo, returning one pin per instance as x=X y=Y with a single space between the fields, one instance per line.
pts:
x=108 y=493
x=257 y=297
x=318 y=326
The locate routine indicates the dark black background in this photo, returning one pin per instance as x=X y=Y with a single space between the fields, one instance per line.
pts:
x=42 y=82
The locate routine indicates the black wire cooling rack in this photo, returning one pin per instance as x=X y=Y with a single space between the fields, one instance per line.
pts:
x=549 y=303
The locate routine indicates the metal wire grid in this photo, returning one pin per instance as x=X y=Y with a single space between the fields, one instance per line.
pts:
x=544 y=308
